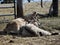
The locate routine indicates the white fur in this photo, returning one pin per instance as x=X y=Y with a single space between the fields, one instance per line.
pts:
x=37 y=30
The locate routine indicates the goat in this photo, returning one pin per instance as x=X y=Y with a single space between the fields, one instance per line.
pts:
x=20 y=26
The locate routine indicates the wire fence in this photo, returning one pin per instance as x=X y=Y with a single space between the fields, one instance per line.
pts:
x=8 y=7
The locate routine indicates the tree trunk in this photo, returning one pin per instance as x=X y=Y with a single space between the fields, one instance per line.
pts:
x=42 y=3
x=19 y=9
x=55 y=8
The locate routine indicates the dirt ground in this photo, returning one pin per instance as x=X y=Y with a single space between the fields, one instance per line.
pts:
x=15 y=40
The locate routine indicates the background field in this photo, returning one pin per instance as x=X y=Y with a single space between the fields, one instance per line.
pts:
x=50 y=24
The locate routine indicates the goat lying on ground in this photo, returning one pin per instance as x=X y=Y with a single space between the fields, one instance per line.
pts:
x=20 y=26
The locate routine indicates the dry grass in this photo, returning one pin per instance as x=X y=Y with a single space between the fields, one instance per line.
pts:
x=13 y=40
x=30 y=7
x=50 y=24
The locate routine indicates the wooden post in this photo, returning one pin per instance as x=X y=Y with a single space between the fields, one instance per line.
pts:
x=42 y=3
x=59 y=7
x=19 y=9
x=55 y=8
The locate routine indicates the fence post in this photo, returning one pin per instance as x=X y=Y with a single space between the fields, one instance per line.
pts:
x=15 y=9
x=59 y=7
x=55 y=8
x=42 y=3
x=19 y=9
